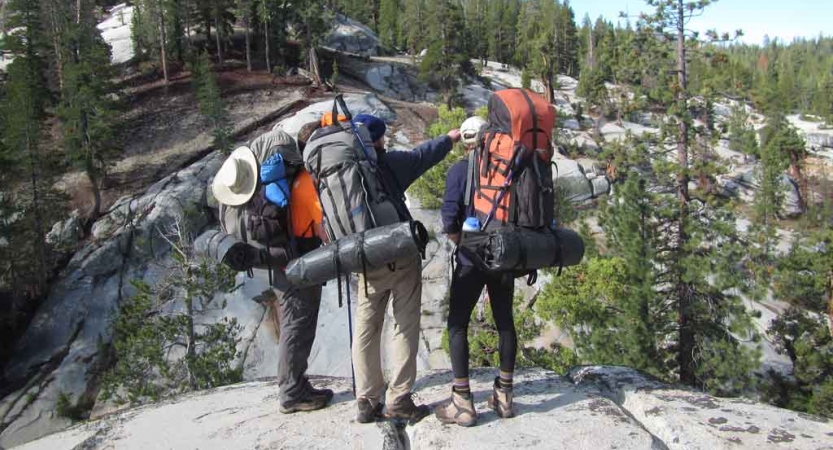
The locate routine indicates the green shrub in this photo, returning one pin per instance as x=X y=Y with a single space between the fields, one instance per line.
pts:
x=429 y=188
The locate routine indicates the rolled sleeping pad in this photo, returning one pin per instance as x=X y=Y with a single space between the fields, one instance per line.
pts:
x=236 y=254
x=368 y=250
x=517 y=249
x=227 y=249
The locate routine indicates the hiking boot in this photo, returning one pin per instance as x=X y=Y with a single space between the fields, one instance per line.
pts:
x=501 y=400
x=327 y=393
x=367 y=412
x=404 y=408
x=459 y=410
x=309 y=403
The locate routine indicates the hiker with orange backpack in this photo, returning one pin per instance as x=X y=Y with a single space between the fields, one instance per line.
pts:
x=505 y=181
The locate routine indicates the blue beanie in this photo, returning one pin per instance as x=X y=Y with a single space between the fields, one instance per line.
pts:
x=374 y=125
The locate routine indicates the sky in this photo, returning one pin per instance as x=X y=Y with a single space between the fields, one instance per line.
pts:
x=757 y=18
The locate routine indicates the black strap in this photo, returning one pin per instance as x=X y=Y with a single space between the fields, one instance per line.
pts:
x=333 y=202
x=467 y=199
x=363 y=257
x=337 y=262
x=521 y=257
x=534 y=119
x=352 y=222
x=559 y=253
x=532 y=278
x=335 y=111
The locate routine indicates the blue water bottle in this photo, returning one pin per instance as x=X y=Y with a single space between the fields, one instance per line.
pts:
x=471 y=224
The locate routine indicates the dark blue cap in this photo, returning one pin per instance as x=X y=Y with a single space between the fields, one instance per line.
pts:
x=374 y=125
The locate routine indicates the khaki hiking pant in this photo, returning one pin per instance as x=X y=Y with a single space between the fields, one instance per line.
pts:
x=403 y=288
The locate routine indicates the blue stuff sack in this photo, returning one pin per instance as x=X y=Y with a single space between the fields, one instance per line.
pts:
x=273 y=169
x=278 y=192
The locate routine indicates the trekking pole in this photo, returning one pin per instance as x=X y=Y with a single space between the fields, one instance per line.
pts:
x=343 y=104
x=350 y=334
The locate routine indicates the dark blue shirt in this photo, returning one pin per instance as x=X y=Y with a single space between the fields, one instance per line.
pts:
x=399 y=169
x=453 y=209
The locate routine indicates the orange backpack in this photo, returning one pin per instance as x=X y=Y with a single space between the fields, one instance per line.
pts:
x=510 y=179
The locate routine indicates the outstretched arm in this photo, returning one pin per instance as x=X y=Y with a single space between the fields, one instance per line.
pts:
x=408 y=166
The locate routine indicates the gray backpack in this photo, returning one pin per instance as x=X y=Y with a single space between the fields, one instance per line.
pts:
x=342 y=162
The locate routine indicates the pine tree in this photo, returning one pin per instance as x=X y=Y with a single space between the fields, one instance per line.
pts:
x=266 y=10
x=742 y=137
x=784 y=140
x=26 y=210
x=211 y=104
x=446 y=61
x=245 y=10
x=389 y=23
x=413 y=25
x=86 y=111
x=22 y=135
x=143 y=337
x=537 y=49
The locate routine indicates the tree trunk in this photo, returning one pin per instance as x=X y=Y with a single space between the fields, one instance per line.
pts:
x=218 y=39
x=590 y=59
x=268 y=50
x=685 y=356
x=41 y=237
x=795 y=168
x=56 y=47
x=830 y=301
x=191 y=352
x=248 y=47
x=95 y=212
x=163 y=42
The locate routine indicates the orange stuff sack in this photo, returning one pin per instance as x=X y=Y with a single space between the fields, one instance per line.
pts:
x=327 y=119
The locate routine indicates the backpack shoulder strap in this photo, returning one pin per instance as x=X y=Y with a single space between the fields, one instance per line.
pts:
x=472 y=169
x=534 y=119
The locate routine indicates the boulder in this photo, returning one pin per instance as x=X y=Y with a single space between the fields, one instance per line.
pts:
x=350 y=36
x=356 y=103
x=579 y=181
x=819 y=139
x=592 y=407
x=67 y=233
x=685 y=419
x=397 y=81
x=59 y=352
x=744 y=182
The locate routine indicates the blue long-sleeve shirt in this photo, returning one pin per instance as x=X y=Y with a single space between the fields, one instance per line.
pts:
x=453 y=210
x=400 y=169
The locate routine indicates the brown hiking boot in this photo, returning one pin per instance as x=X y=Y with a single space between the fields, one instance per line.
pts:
x=404 y=408
x=311 y=402
x=459 y=410
x=501 y=400
x=367 y=412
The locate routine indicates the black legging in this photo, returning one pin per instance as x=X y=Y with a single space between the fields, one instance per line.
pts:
x=466 y=286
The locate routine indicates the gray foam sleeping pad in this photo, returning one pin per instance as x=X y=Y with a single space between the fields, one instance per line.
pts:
x=372 y=249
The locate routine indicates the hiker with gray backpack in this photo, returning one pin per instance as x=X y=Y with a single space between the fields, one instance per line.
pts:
x=362 y=188
x=269 y=214
x=498 y=208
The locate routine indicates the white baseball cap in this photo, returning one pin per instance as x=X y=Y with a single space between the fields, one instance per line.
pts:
x=470 y=128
